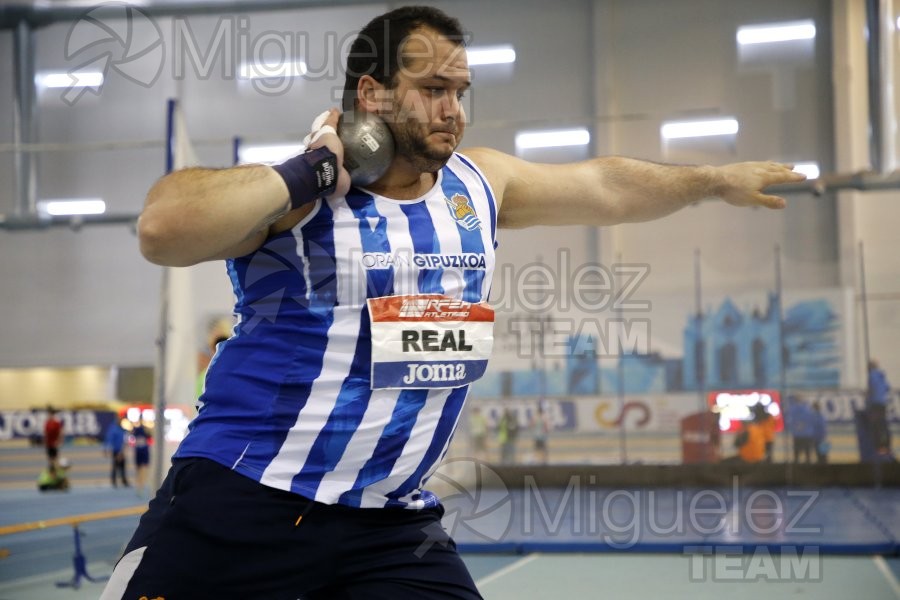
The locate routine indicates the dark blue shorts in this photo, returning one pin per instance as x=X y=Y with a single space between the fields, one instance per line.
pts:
x=142 y=456
x=212 y=533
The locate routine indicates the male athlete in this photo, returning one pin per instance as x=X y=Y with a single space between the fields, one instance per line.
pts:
x=362 y=318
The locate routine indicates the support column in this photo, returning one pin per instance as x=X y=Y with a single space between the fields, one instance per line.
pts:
x=25 y=117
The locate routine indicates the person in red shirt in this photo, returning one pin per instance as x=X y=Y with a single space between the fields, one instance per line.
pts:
x=53 y=435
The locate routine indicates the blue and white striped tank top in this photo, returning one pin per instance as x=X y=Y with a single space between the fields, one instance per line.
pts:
x=287 y=400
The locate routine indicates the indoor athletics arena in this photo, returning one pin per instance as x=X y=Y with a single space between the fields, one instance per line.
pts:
x=684 y=393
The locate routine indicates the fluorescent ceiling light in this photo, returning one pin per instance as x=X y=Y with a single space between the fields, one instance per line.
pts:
x=69 y=79
x=552 y=139
x=781 y=32
x=275 y=153
x=692 y=129
x=810 y=169
x=264 y=70
x=74 y=206
x=86 y=3
x=491 y=55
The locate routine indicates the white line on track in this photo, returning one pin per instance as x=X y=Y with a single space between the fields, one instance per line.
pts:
x=507 y=570
x=888 y=574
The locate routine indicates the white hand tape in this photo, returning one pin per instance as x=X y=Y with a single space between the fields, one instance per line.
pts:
x=318 y=129
x=320 y=132
x=319 y=121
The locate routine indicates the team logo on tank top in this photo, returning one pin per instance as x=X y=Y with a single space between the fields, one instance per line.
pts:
x=462 y=211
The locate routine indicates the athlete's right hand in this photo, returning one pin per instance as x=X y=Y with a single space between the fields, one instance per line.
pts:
x=330 y=139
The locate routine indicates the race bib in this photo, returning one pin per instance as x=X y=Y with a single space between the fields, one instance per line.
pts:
x=428 y=341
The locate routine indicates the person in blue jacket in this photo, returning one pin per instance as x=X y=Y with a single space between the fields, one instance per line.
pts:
x=114 y=447
x=878 y=395
x=801 y=424
x=820 y=434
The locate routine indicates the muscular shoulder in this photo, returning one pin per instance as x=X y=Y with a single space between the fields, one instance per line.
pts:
x=522 y=188
x=495 y=166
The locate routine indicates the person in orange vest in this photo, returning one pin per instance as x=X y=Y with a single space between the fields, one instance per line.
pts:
x=751 y=440
x=754 y=448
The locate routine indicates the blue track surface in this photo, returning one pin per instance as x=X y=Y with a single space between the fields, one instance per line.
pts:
x=45 y=550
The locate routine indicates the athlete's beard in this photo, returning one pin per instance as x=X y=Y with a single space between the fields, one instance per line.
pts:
x=410 y=140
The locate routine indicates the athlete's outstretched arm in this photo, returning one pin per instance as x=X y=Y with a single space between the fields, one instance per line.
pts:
x=611 y=190
x=198 y=214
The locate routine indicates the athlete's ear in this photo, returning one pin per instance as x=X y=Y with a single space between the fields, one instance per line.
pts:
x=372 y=96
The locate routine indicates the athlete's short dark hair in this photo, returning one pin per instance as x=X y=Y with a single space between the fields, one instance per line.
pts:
x=376 y=50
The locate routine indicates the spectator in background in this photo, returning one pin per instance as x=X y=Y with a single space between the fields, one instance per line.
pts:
x=206 y=359
x=767 y=423
x=54 y=477
x=540 y=425
x=53 y=436
x=820 y=434
x=141 y=438
x=478 y=432
x=878 y=395
x=507 y=435
x=751 y=440
x=114 y=447
x=802 y=426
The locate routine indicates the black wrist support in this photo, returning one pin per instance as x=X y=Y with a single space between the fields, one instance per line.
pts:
x=309 y=176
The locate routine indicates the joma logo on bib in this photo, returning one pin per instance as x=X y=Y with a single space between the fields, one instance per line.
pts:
x=429 y=372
